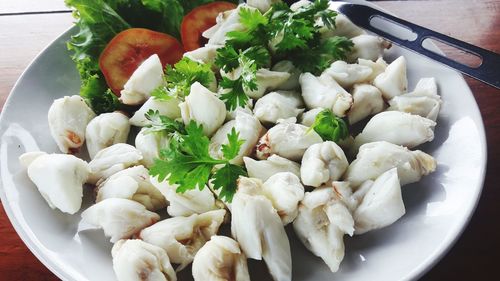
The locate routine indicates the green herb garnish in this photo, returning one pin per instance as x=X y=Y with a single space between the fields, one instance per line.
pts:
x=330 y=127
x=187 y=163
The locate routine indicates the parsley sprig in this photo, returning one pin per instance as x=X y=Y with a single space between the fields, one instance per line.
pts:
x=179 y=78
x=321 y=55
x=161 y=123
x=291 y=35
x=301 y=41
x=246 y=63
x=330 y=127
x=187 y=162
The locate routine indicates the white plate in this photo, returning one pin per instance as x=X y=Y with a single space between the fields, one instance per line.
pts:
x=438 y=207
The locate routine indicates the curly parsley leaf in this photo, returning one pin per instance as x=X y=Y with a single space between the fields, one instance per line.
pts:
x=179 y=78
x=161 y=123
x=253 y=32
x=226 y=179
x=187 y=163
x=321 y=55
x=291 y=33
x=227 y=58
x=295 y=36
x=235 y=96
x=310 y=12
x=252 y=18
x=259 y=56
x=247 y=63
x=162 y=93
x=328 y=18
x=232 y=148
x=293 y=30
x=330 y=127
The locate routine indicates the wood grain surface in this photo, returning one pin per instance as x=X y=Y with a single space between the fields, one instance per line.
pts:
x=476 y=254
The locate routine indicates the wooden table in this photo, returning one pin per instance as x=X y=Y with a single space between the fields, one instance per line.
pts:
x=27 y=26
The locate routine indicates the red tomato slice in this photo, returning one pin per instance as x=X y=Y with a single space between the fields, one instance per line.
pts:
x=198 y=20
x=129 y=48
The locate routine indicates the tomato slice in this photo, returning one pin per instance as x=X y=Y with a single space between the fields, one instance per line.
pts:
x=200 y=19
x=129 y=48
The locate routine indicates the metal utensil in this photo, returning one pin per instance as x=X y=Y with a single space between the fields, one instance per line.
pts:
x=488 y=71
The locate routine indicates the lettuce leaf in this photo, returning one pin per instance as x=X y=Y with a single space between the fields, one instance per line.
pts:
x=98 y=23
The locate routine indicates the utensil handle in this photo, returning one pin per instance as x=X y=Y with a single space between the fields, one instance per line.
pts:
x=488 y=72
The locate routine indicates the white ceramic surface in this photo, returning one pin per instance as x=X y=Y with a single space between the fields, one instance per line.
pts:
x=438 y=207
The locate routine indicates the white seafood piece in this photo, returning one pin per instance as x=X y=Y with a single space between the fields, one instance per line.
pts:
x=293 y=81
x=205 y=54
x=111 y=160
x=278 y=105
x=267 y=80
x=149 y=144
x=375 y=158
x=397 y=127
x=204 y=107
x=231 y=114
x=59 y=178
x=348 y=74
x=359 y=194
x=68 y=117
x=299 y=4
x=322 y=222
x=169 y=108
x=367 y=100
x=147 y=77
x=345 y=194
x=249 y=129
x=322 y=163
x=262 y=5
x=285 y=192
x=377 y=67
x=325 y=92
x=308 y=117
x=28 y=157
x=274 y=164
x=119 y=218
x=343 y=27
x=132 y=183
x=136 y=260
x=382 y=205
x=194 y=201
x=182 y=237
x=423 y=101
x=225 y=22
x=105 y=130
x=393 y=81
x=257 y=227
x=220 y=259
x=288 y=140
x=427 y=87
x=368 y=47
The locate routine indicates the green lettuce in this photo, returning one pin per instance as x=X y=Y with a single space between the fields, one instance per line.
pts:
x=98 y=23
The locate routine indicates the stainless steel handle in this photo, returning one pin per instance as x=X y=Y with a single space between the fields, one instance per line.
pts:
x=488 y=72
